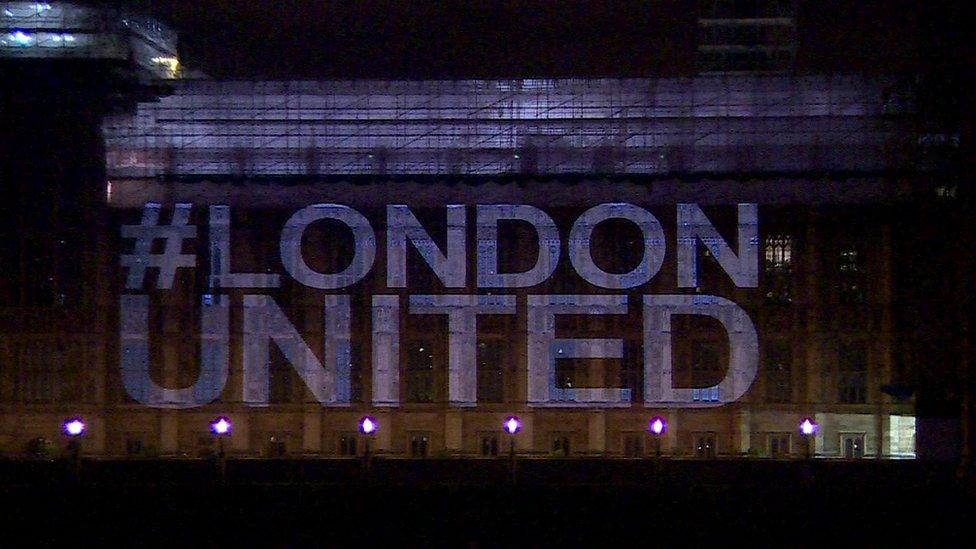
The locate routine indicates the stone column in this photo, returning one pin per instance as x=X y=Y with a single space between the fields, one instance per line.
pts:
x=453 y=431
x=882 y=432
x=94 y=442
x=597 y=432
x=811 y=306
x=742 y=437
x=312 y=430
x=384 y=432
x=671 y=443
x=880 y=367
x=525 y=440
x=824 y=429
x=169 y=442
x=240 y=437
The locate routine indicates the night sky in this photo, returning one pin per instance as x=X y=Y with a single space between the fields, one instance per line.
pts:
x=525 y=38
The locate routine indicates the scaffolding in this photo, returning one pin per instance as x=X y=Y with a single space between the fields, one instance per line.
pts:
x=705 y=124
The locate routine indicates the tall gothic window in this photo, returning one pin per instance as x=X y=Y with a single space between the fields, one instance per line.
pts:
x=778 y=268
x=852 y=374
x=778 y=366
x=632 y=370
x=279 y=380
x=420 y=372
x=355 y=372
x=490 y=371
x=851 y=275
x=706 y=369
x=38 y=373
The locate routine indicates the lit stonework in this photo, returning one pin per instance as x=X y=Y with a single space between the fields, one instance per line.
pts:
x=822 y=308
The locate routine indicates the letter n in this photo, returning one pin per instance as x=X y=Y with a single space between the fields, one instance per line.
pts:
x=264 y=322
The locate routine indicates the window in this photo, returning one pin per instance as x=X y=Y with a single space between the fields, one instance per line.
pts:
x=706 y=362
x=41 y=447
x=489 y=444
x=852 y=445
x=134 y=444
x=901 y=436
x=703 y=445
x=279 y=379
x=420 y=276
x=560 y=444
x=778 y=268
x=778 y=367
x=852 y=283
x=347 y=444
x=420 y=372
x=779 y=251
x=705 y=394
x=205 y=445
x=778 y=445
x=633 y=445
x=748 y=9
x=38 y=373
x=852 y=373
x=632 y=369
x=511 y=256
x=565 y=374
x=419 y=444
x=706 y=370
x=490 y=371
x=709 y=269
x=762 y=33
x=565 y=280
x=277 y=445
x=356 y=372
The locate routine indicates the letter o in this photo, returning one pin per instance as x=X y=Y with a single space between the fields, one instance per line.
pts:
x=364 y=249
x=582 y=259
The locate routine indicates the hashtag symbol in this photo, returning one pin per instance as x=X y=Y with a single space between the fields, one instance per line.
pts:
x=171 y=257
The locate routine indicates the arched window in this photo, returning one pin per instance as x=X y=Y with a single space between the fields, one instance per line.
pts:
x=778 y=268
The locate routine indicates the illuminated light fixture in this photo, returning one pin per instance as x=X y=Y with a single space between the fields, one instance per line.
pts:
x=8 y=13
x=220 y=426
x=808 y=427
x=368 y=425
x=69 y=38
x=172 y=64
x=21 y=38
x=74 y=427
x=657 y=425
x=42 y=7
x=512 y=425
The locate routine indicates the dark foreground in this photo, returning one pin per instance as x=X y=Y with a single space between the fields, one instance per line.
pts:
x=473 y=503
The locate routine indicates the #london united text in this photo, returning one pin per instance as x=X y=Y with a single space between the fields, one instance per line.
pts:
x=264 y=323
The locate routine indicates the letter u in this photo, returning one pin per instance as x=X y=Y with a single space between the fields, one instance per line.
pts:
x=134 y=355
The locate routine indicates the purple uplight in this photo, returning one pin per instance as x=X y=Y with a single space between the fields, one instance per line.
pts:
x=220 y=426
x=368 y=425
x=657 y=425
x=808 y=427
x=74 y=427
x=512 y=425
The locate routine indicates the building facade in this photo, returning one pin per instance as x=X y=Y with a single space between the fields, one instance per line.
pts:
x=817 y=155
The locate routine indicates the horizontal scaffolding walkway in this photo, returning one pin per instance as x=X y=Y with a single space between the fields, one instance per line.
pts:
x=706 y=124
